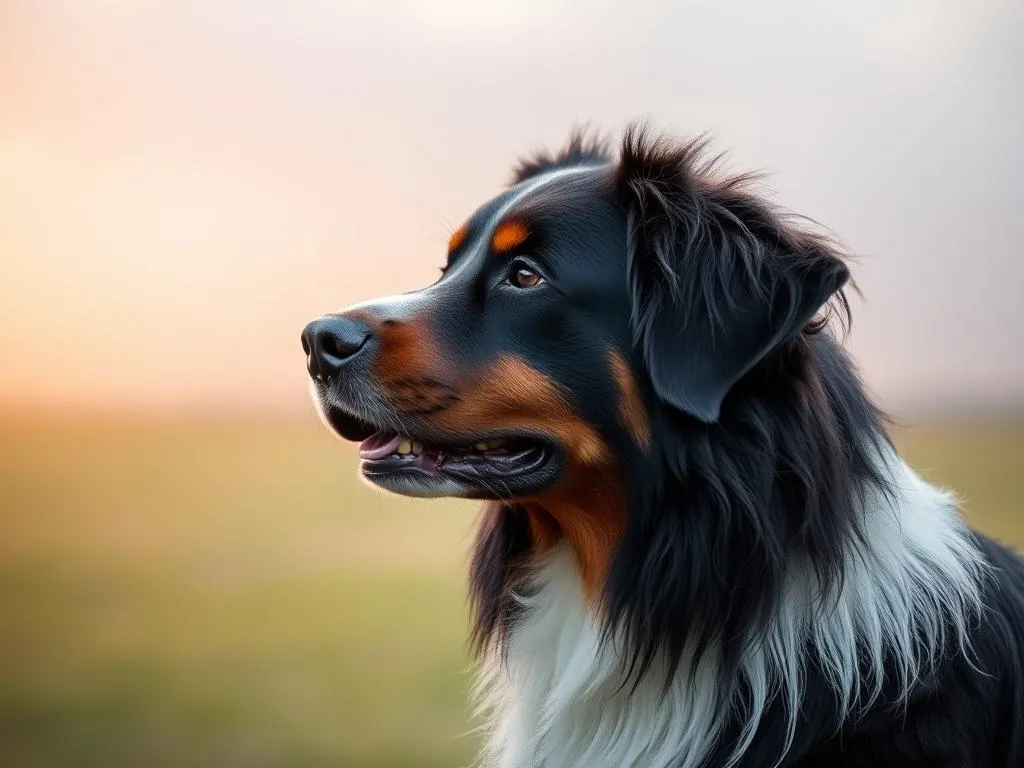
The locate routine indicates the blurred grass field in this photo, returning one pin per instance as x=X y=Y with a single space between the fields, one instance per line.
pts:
x=229 y=594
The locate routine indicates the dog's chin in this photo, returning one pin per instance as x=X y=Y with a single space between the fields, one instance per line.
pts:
x=493 y=465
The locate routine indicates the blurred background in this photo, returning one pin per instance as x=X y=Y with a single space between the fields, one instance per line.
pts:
x=190 y=572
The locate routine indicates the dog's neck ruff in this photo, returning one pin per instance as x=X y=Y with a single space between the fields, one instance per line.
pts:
x=909 y=590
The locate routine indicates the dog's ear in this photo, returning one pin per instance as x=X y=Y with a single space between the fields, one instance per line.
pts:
x=717 y=280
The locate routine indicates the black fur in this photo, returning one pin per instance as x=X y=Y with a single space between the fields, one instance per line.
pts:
x=763 y=445
x=582 y=147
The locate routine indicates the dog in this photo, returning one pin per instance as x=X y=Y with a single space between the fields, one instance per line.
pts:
x=699 y=547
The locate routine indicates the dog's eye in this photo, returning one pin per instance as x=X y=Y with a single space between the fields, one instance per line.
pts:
x=524 y=276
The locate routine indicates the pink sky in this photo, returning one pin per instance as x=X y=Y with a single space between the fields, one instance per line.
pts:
x=185 y=184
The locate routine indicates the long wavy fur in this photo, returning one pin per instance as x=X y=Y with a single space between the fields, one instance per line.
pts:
x=754 y=557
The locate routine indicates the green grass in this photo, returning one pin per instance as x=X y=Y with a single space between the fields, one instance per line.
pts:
x=225 y=594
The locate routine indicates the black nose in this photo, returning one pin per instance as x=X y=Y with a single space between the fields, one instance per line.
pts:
x=330 y=342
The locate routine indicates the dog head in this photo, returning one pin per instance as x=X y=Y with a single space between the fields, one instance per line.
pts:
x=584 y=310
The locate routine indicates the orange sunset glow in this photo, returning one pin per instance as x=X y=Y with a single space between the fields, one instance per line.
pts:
x=185 y=184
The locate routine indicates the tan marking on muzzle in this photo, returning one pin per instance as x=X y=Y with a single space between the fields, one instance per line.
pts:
x=511 y=395
x=406 y=365
x=587 y=506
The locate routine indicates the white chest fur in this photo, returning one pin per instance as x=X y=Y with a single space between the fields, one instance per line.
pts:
x=557 y=700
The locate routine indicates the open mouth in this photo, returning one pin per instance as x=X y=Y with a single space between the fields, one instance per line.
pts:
x=497 y=458
x=496 y=467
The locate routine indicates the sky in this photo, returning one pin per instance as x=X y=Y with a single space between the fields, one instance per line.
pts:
x=184 y=184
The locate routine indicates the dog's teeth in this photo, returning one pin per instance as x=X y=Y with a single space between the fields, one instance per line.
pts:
x=489 y=445
x=405 y=446
x=417 y=447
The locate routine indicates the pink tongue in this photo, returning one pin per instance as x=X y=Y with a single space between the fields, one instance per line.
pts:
x=379 y=445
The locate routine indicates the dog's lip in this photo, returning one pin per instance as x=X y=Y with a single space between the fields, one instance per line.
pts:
x=347 y=425
x=516 y=456
x=443 y=455
x=373 y=437
x=385 y=447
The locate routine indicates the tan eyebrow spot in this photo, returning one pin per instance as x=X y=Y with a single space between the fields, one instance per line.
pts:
x=457 y=238
x=509 y=235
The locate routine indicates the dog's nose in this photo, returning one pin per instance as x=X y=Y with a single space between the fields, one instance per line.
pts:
x=330 y=342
